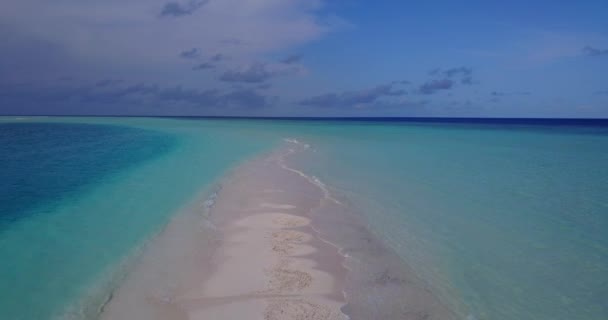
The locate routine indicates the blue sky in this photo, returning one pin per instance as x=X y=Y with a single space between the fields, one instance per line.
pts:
x=304 y=58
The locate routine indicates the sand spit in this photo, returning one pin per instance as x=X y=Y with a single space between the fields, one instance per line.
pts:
x=260 y=260
x=266 y=249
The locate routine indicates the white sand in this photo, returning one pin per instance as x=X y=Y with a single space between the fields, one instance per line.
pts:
x=263 y=262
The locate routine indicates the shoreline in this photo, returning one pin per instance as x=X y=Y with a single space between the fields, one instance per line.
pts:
x=275 y=245
x=289 y=269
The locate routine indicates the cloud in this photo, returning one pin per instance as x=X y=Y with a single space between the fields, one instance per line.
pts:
x=204 y=66
x=255 y=73
x=594 y=52
x=467 y=80
x=516 y=93
x=462 y=74
x=191 y=53
x=291 y=59
x=259 y=72
x=79 y=39
x=232 y=42
x=246 y=98
x=211 y=63
x=434 y=71
x=446 y=79
x=107 y=82
x=458 y=71
x=602 y=92
x=431 y=87
x=353 y=98
x=211 y=98
x=52 y=100
x=264 y=86
x=465 y=74
x=497 y=96
x=175 y=9
x=218 y=57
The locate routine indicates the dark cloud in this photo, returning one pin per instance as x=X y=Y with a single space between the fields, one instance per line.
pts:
x=26 y=56
x=459 y=71
x=204 y=66
x=516 y=93
x=467 y=80
x=593 y=52
x=446 y=79
x=353 y=98
x=218 y=57
x=212 y=63
x=258 y=72
x=206 y=98
x=433 y=86
x=291 y=59
x=191 y=53
x=464 y=75
x=176 y=9
x=246 y=98
x=255 y=73
x=48 y=100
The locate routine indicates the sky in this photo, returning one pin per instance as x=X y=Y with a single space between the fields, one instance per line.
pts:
x=304 y=58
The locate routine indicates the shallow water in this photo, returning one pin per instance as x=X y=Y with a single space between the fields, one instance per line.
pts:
x=501 y=221
x=85 y=197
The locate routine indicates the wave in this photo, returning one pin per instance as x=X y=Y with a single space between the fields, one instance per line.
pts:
x=299 y=146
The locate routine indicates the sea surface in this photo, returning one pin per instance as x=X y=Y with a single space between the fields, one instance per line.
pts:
x=504 y=220
x=80 y=197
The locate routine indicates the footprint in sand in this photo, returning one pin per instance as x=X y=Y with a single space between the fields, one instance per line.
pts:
x=286 y=280
x=283 y=241
x=297 y=309
x=290 y=221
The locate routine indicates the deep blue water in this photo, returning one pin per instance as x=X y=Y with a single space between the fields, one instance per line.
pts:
x=45 y=162
x=582 y=122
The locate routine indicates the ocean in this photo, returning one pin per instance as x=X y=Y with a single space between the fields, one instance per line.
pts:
x=82 y=196
x=501 y=219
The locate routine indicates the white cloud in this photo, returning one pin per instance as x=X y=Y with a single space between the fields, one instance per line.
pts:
x=130 y=34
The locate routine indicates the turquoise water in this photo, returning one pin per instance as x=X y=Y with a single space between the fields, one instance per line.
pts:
x=79 y=196
x=502 y=221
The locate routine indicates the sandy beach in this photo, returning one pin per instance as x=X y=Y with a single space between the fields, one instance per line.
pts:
x=265 y=246
x=257 y=257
